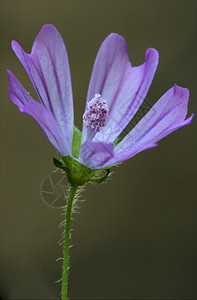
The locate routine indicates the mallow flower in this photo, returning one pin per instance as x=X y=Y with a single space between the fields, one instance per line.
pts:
x=116 y=92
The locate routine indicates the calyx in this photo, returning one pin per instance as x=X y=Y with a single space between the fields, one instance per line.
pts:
x=78 y=174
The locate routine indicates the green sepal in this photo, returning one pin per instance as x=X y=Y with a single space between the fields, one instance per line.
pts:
x=116 y=142
x=57 y=163
x=77 y=173
x=100 y=179
x=76 y=143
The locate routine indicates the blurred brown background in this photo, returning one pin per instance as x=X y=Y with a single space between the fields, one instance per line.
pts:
x=135 y=237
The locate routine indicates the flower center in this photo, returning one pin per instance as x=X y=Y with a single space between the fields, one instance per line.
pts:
x=96 y=113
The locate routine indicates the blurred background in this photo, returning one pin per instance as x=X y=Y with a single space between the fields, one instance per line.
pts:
x=135 y=237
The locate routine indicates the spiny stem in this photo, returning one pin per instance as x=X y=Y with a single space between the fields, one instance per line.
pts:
x=71 y=197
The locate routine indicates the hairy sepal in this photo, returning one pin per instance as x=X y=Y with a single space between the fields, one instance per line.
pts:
x=77 y=173
x=76 y=143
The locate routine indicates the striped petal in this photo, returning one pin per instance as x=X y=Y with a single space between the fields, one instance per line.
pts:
x=167 y=115
x=95 y=154
x=123 y=86
x=43 y=117
x=119 y=158
x=48 y=69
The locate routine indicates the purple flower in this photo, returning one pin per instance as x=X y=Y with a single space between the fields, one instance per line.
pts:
x=116 y=91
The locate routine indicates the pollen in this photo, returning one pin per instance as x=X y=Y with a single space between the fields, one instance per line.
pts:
x=96 y=113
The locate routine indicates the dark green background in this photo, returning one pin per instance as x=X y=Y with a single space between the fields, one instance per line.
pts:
x=136 y=235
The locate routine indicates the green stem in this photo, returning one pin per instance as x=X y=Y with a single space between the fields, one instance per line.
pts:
x=71 y=197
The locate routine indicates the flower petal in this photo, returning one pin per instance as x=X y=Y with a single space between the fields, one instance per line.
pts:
x=120 y=157
x=167 y=115
x=95 y=154
x=123 y=86
x=17 y=93
x=43 y=117
x=48 y=69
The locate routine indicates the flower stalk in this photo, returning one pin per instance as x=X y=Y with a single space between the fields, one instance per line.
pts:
x=71 y=196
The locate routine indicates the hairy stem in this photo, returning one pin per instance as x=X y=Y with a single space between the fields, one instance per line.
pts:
x=71 y=197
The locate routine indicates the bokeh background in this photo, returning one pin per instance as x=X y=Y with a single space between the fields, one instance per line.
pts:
x=135 y=237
